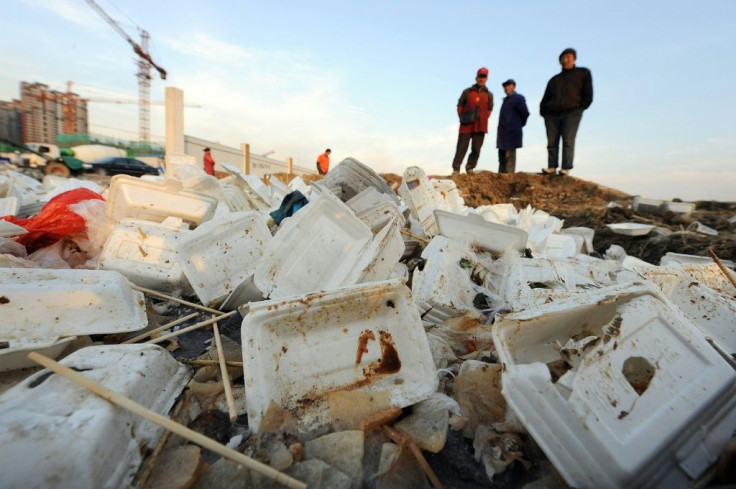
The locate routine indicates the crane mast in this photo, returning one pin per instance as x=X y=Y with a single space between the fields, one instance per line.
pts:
x=145 y=63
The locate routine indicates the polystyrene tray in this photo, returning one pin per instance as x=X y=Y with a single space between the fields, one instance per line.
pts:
x=221 y=253
x=475 y=229
x=15 y=355
x=678 y=207
x=140 y=199
x=315 y=249
x=299 y=350
x=37 y=303
x=630 y=228
x=645 y=401
x=55 y=433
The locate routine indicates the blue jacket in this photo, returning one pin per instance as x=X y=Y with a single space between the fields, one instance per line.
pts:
x=511 y=119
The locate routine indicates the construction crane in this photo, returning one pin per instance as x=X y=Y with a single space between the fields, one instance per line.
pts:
x=144 y=72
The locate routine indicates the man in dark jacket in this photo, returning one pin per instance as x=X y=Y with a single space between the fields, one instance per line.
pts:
x=511 y=119
x=568 y=94
x=476 y=102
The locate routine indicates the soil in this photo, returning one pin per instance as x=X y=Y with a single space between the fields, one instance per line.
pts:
x=584 y=203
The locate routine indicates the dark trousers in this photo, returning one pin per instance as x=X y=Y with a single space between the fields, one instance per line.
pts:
x=565 y=127
x=463 y=141
x=506 y=160
x=319 y=170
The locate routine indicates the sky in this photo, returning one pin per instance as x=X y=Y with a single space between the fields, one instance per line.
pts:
x=379 y=80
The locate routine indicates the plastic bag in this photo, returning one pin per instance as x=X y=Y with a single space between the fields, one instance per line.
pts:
x=54 y=221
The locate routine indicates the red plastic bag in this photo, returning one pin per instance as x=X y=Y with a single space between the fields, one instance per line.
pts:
x=54 y=221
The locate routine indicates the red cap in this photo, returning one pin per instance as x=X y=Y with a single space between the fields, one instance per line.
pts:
x=482 y=71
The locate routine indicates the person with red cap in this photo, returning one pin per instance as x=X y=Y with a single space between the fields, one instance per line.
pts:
x=474 y=109
x=209 y=163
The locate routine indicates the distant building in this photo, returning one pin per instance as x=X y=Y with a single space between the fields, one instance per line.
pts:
x=10 y=121
x=46 y=113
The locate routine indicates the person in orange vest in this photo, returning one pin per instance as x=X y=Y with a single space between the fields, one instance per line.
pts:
x=323 y=162
x=209 y=163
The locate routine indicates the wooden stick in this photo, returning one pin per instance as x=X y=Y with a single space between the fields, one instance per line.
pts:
x=404 y=439
x=225 y=377
x=173 y=426
x=723 y=268
x=161 y=328
x=411 y=235
x=204 y=362
x=160 y=295
x=191 y=328
x=151 y=463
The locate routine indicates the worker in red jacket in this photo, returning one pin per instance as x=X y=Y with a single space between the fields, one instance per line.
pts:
x=474 y=109
x=209 y=163
x=323 y=162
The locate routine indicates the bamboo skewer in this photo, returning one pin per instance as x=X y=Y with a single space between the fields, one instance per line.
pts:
x=191 y=328
x=160 y=295
x=205 y=362
x=723 y=268
x=173 y=426
x=161 y=328
x=411 y=235
x=225 y=377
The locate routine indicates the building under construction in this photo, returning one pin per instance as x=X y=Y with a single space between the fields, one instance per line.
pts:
x=41 y=114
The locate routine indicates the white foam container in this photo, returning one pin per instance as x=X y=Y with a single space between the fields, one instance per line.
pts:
x=147 y=253
x=221 y=253
x=587 y=234
x=644 y=205
x=381 y=256
x=55 y=303
x=298 y=350
x=630 y=228
x=55 y=433
x=15 y=356
x=8 y=229
x=9 y=206
x=278 y=190
x=315 y=249
x=418 y=192
x=442 y=289
x=678 y=207
x=670 y=258
x=561 y=246
x=131 y=197
x=592 y=424
x=448 y=195
x=474 y=229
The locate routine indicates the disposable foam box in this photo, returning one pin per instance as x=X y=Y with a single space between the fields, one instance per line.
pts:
x=678 y=207
x=474 y=229
x=55 y=433
x=221 y=253
x=52 y=303
x=147 y=253
x=418 y=192
x=647 y=206
x=299 y=350
x=560 y=247
x=15 y=354
x=131 y=197
x=618 y=388
x=315 y=249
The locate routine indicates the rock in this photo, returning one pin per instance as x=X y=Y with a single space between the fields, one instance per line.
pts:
x=343 y=450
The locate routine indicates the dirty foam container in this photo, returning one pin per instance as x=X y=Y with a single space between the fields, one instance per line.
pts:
x=299 y=350
x=55 y=433
x=15 y=354
x=49 y=303
x=646 y=206
x=684 y=259
x=442 y=288
x=618 y=388
x=221 y=253
x=381 y=256
x=315 y=249
x=474 y=229
x=448 y=195
x=587 y=234
x=678 y=207
x=131 y=197
x=9 y=206
x=418 y=192
x=561 y=246
x=631 y=228
x=147 y=253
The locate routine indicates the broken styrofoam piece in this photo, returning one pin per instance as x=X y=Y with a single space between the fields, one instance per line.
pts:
x=350 y=177
x=39 y=303
x=381 y=256
x=54 y=185
x=131 y=197
x=253 y=191
x=712 y=276
x=278 y=190
x=9 y=206
x=644 y=205
x=221 y=253
x=448 y=196
x=55 y=432
x=298 y=183
x=7 y=229
x=181 y=165
x=418 y=192
x=243 y=293
x=711 y=312
x=442 y=288
x=474 y=229
x=366 y=337
x=678 y=207
x=586 y=233
x=147 y=253
x=560 y=247
x=699 y=227
x=315 y=249
x=618 y=388
x=14 y=353
x=670 y=258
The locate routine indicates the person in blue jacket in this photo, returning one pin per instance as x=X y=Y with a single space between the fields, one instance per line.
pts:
x=511 y=119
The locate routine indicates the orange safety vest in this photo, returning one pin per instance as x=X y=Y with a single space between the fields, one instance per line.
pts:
x=324 y=162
